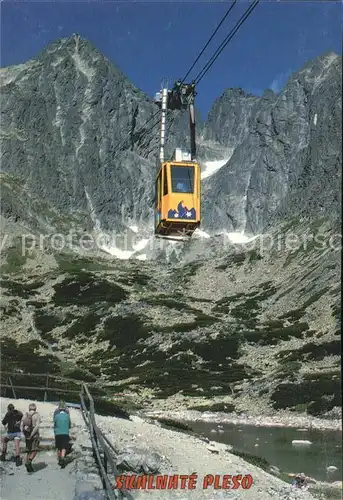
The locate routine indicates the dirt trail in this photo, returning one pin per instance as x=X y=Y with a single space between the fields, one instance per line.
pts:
x=48 y=482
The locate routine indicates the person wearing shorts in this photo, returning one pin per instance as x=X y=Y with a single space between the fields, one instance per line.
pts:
x=62 y=426
x=12 y=420
x=32 y=445
x=30 y=428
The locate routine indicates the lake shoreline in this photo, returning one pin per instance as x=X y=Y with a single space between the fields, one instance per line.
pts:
x=281 y=420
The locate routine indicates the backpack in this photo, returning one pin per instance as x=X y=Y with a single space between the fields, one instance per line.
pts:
x=27 y=424
x=17 y=417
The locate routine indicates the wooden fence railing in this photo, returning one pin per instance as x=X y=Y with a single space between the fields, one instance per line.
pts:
x=48 y=383
x=103 y=449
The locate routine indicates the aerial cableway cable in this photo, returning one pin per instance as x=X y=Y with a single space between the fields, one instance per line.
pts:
x=146 y=123
x=171 y=123
x=205 y=69
x=210 y=39
x=144 y=143
x=122 y=145
x=226 y=40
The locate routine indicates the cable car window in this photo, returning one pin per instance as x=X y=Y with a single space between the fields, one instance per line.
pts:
x=165 y=182
x=160 y=185
x=157 y=194
x=182 y=179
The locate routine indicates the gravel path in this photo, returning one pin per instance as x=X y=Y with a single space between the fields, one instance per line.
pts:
x=48 y=482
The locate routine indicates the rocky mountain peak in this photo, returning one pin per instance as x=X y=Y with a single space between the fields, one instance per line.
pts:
x=317 y=70
x=71 y=44
x=235 y=93
x=326 y=59
x=82 y=55
x=269 y=95
x=96 y=152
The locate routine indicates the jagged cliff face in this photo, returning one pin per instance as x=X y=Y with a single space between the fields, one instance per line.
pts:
x=71 y=135
x=230 y=118
x=314 y=183
x=65 y=116
x=286 y=148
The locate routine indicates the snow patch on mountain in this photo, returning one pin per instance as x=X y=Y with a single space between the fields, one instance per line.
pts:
x=238 y=238
x=213 y=166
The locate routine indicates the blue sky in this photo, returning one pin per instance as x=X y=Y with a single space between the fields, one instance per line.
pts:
x=154 y=40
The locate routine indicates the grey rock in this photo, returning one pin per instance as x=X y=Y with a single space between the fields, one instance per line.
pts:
x=139 y=460
x=81 y=107
x=87 y=486
x=331 y=468
x=230 y=117
x=3 y=470
x=90 y=495
x=334 y=414
x=274 y=470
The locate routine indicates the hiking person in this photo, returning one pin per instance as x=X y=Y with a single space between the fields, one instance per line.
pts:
x=30 y=428
x=12 y=419
x=62 y=424
x=62 y=406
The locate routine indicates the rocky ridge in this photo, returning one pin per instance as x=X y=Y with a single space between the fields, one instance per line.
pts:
x=96 y=153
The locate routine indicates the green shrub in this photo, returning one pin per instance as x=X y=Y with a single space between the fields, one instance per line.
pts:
x=174 y=424
x=85 y=289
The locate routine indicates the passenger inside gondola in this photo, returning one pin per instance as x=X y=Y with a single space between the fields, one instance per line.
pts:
x=181 y=187
x=182 y=179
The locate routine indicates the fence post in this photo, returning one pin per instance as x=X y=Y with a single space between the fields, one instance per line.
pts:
x=105 y=466
x=10 y=381
x=95 y=439
x=103 y=477
x=46 y=388
x=105 y=462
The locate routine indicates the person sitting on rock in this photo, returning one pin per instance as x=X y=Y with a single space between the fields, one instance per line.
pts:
x=62 y=424
x=30 y=428
x=12 y=420
x=300 y=481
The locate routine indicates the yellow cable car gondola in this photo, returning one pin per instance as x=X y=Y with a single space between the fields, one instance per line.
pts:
x=177 y=188
x=177 y=201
